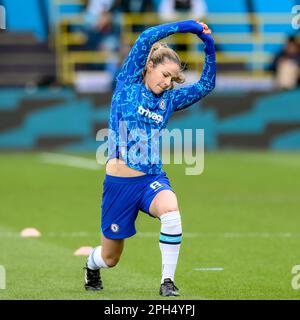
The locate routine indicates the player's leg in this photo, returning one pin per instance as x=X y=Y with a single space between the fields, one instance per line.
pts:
x=111 y=250
x=164 y=202
x=165 y=207
x=106 y=255
x=118 y=214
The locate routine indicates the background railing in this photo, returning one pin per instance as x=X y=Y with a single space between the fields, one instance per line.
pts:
x=246 y=42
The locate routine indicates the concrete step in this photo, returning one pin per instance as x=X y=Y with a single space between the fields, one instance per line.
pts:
x=17 y=38
x=20 y=58
x=20 y=79
x=43 y=68
x=25 y=48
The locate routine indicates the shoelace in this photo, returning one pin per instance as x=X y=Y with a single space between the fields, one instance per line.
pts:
x=170 y=285
x=93 y=275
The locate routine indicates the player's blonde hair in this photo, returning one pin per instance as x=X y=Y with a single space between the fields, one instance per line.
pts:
x=159 y=52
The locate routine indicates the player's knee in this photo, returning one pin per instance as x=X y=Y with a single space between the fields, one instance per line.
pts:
x=168 y=209
x=171 y=218
x=111 y=261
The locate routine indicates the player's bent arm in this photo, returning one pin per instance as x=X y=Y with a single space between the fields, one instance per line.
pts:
x=137 y=58
x=187 y=96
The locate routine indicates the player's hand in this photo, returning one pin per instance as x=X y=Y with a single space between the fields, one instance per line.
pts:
x=206 y=29
x=206 y=33
x=207 y=38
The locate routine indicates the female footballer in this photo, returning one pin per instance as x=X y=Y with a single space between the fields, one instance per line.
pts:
x=142 y=103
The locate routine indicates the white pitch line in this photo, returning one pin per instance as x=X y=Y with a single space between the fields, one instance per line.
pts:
x=208 y=269
x=154 y=234
x=261 y=235
x=82 y=234
x=70 y=161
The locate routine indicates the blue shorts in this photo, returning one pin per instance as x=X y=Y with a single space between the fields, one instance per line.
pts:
x=123 y=198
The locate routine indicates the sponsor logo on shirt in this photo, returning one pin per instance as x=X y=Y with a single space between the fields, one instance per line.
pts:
x=149 y=114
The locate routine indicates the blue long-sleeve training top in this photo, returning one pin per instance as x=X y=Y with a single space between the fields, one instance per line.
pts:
x=138 y=115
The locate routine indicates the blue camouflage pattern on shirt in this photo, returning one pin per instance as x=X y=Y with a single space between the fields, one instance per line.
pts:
x=139 y=114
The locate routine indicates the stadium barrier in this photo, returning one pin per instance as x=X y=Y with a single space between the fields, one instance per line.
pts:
x=65 y=120
x=246 y=42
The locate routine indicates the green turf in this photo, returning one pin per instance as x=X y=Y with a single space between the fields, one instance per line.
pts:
x=242 y=214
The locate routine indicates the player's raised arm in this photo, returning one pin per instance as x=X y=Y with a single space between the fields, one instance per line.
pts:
x=137 y=58
x=185 y=97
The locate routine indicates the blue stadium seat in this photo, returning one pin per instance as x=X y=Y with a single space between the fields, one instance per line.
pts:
x=34 y=15
x=26 y=16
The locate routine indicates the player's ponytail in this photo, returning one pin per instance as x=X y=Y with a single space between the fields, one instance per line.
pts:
x=159 y=52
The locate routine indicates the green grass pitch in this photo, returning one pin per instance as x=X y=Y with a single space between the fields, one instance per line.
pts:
x=242 y=214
